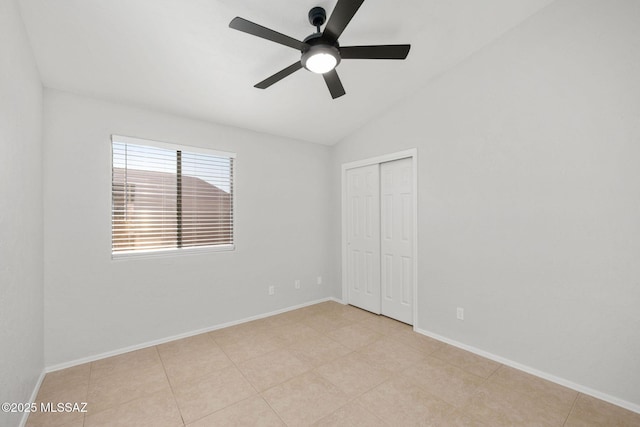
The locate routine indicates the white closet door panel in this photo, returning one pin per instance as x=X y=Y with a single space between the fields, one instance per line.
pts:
x=363 y=237
x=396 y=194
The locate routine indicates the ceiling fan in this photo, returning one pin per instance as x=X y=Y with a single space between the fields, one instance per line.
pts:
x=320 y=52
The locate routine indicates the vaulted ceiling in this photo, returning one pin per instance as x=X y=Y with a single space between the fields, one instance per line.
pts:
x=180 y=56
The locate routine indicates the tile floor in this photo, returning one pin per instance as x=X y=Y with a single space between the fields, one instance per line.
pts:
x=323 y=365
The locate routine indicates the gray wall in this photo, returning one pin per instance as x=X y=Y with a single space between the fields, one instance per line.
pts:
x=21 y=277
x=529 y=194
x=94 y=304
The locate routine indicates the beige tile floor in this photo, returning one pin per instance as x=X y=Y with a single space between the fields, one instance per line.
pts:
x=323 y=365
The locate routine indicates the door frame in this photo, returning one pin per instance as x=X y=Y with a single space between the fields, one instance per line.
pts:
x=413 y=154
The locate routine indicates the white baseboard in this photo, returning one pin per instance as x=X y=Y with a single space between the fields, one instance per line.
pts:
x=561 y=381
x=95 y=357
x=34 y=395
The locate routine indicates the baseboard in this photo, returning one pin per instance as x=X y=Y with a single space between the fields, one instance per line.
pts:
x=554 y=379
x=561 y=381
x=34 y=395
x=95 y=357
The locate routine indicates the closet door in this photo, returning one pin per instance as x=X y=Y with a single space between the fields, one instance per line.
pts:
x=396 y=196
x=363 y=237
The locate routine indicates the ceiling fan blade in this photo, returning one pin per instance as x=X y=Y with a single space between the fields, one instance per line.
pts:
x=394 y=51
x=334 y=84
x=279 y=76
x=340 y=17
x=249 y=27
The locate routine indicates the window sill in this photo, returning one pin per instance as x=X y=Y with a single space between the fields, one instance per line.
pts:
x=170 y=253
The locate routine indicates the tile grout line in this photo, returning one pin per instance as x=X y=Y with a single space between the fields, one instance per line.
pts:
x=84 y=418
x=173 y=394
x=146 y=394
x=272 y=408
x=258 y=393
x=354 y=400
x=572 y=408
x=275 y=385
x=447 y=362
x=235 y=365
x=486 y=380
x=313 y=371
x=349 y=400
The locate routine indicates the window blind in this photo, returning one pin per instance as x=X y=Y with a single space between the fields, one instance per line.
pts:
x=169 y=197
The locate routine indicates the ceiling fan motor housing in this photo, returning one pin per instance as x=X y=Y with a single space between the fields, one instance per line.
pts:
x=317 y=16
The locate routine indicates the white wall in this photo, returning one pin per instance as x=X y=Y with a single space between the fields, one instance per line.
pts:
x=95 y=305
x=21 y=277
x=529 y=194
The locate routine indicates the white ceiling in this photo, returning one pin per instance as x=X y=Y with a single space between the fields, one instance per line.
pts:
x=179 y=56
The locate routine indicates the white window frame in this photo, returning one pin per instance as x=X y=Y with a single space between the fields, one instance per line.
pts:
x=170 y=252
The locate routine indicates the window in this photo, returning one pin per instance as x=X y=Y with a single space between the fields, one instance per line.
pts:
x=167 y=197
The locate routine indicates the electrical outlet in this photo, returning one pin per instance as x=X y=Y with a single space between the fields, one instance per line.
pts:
x=272 y=290
x=319 y=280
x=460 y=313
x=297 y=284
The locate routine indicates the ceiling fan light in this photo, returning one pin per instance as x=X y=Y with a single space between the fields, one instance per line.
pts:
x=320 y=58
x=321 y=63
